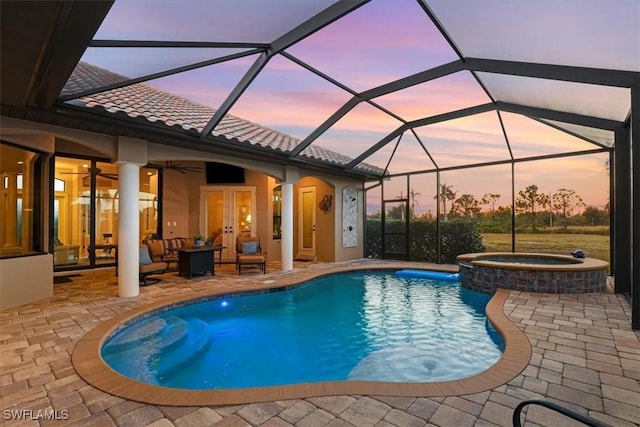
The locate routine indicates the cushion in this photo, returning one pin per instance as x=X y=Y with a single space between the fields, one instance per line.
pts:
x=145 y=258
x=251 y=259
x=156 y=267
x=176 y=242
x=250 y=248
x=578 y=253
x=156 y=247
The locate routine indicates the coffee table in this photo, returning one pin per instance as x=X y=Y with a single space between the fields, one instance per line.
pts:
x=194 y=261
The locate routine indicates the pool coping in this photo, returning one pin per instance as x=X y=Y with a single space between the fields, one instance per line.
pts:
x=90 y=366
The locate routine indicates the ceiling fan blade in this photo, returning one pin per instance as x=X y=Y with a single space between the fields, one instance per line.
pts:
x=109 y=176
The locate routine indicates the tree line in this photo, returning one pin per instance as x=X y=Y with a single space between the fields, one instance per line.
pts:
x=534 y=209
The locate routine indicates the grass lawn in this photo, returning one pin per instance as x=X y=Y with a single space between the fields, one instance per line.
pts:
x=595 y=246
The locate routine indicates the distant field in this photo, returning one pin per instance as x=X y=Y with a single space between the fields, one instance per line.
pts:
x=576 y=229
x=595 y=246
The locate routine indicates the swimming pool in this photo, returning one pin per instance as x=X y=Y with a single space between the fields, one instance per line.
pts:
x=357 y=326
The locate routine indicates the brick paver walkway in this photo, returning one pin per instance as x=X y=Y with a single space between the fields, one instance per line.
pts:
x=585 y=356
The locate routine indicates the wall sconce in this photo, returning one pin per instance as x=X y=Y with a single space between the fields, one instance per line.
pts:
x=325 y=203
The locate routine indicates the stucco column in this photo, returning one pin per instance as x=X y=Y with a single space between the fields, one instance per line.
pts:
x=286 y=229
x=128 y=229
x=132 y=153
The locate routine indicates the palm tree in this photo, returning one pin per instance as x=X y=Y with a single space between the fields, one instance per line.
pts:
x=443 y=195
x=490 y=199
x=414 y=202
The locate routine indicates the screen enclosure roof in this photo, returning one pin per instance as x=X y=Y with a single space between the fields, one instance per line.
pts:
x=367 y=87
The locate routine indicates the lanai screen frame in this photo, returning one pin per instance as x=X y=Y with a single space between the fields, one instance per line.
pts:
x=624 y=153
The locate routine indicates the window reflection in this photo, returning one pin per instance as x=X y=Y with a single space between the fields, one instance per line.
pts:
x=17 y=201
x=277 y=213
x=71 y=207
x=85 y=230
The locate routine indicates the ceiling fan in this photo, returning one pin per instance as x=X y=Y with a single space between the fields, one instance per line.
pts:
x=94 y=171
x=170 y=165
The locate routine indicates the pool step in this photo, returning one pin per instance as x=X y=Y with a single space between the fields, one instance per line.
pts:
x=176 y=357
x=174 y=334
x=177 y=340
x=138 y=334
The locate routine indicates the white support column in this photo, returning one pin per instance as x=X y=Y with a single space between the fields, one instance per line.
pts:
x=128 y=229
x=132 y=153
x=286 y=229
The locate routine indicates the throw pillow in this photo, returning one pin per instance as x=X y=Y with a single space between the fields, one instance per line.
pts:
x=250 y=248
x=156 y=247
x=145 y=258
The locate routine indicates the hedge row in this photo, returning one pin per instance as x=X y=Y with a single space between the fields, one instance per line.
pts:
x=459 y=236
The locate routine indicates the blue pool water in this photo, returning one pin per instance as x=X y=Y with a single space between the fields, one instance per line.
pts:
x=357 y=326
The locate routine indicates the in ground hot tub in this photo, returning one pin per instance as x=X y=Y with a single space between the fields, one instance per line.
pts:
x=532 y=272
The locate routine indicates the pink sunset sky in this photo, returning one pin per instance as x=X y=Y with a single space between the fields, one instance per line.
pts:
x=383 y=41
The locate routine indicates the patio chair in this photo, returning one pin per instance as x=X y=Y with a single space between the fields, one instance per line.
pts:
x=249 y=253
x=148 y=267
x=107 y=247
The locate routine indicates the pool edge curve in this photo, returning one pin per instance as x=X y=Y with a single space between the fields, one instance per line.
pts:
x=88 y=363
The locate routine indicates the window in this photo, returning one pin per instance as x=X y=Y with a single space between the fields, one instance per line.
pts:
x=85 y=222
x=18 y=201
x=58 y=185
x=277 y=213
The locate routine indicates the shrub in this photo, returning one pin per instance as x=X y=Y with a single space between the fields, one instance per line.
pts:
x=458 y=236
x=373 y=236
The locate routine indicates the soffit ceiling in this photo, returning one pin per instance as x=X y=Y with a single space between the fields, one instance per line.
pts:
x=370 y=87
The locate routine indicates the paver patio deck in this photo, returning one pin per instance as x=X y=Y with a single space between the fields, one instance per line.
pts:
x=585 y=356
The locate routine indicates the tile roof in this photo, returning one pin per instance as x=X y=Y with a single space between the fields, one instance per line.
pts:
x=153 y=105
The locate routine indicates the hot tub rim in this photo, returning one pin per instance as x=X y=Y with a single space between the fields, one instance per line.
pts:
x=578 y=264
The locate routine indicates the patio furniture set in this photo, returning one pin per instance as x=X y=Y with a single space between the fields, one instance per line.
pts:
x=156 y=255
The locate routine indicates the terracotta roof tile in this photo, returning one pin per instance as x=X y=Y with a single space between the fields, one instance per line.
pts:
x=156 y=106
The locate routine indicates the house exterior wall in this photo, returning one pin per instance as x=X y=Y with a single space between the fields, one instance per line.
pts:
x=181 y=203
x=25 y=279
x=177 y=203
x=182 y=206
x=325 y=238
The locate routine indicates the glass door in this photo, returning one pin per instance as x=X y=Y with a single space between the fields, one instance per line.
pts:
x=228 y=212
x=72 y=212
x=85 y=211
x=106 y=213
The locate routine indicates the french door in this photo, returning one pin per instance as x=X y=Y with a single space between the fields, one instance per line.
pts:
x=226 y=213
